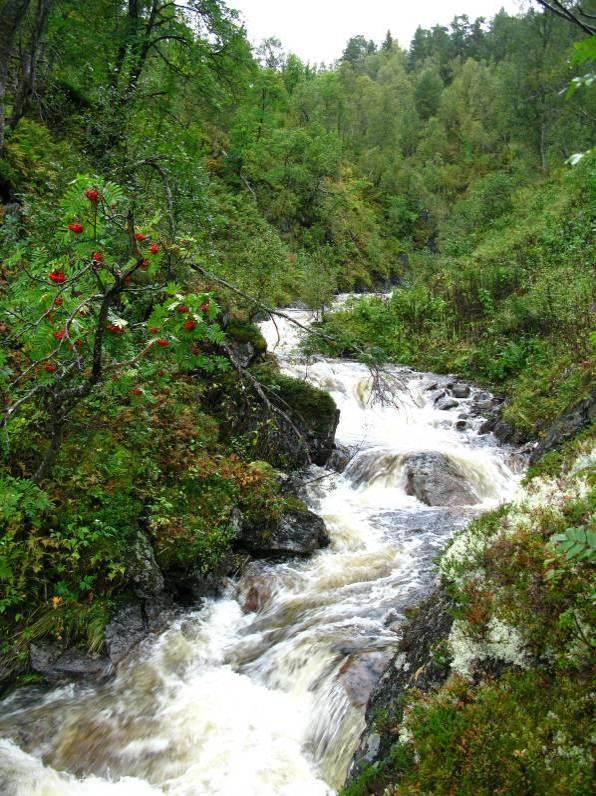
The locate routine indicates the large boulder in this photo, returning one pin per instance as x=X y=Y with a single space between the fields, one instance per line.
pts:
x=312 y=412
x=298 y=532
x=446 y=402
x=460 y=390
x=340 y=458
x=437 y=481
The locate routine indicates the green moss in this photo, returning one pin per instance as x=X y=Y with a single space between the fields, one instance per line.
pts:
x=247 y=333
x=314 y=407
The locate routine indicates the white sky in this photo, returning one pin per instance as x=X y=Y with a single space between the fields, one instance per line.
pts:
x=317 y=30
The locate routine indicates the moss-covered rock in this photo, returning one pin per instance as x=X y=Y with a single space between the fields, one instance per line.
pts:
x=312 y=411
x=239 y=332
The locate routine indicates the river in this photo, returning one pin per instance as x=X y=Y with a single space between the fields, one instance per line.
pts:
x=270 y=702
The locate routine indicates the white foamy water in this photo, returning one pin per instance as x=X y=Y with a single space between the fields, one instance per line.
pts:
x=271 y=702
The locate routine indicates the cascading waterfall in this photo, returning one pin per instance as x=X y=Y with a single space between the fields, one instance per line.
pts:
x=270 y=702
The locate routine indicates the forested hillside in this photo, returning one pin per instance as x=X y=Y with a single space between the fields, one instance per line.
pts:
x=162 y=184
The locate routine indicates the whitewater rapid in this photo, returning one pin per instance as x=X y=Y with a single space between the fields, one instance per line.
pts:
x=270 y=702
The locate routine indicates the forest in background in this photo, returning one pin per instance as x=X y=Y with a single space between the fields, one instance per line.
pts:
x=149 y=158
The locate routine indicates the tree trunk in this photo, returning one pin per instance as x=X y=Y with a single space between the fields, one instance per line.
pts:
x=12 y=14
x=30 y=62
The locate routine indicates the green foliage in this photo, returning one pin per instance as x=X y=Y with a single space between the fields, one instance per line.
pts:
x=514 y=311
x=577 y=543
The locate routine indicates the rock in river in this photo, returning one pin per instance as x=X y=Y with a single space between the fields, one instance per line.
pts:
x=437 y=481
x=299 y=532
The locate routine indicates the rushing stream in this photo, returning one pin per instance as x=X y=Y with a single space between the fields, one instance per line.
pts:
x=262 y=692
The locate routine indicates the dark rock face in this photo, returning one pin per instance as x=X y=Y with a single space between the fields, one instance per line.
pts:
x=437 y=481
x=243 y=353
x=567 y=426
x=191 y=587
x=412 y=666
x=313 y=414
x=298 y=533
x=506 y=433
x=56 y=664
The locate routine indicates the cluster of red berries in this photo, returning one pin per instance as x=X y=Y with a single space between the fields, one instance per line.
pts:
x=49 y=367
x=97 y=257
x=60 y=334
x=76 y=228
x=154 y=248
x=92 y=195
x=57 y=277
x=113 y=328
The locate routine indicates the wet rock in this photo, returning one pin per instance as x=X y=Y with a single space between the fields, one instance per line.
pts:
x=313 y=413
x=126 y=629
x=461 y=425
x=143 y=570
x=487 y=426
x=360 y=674
x=414 y=665
x=256 y=592
x=460 y=390
x=567 y=426
x=190 y=587
x=484 y=406
x=340 y=458
x=299 y=532
x=56 y=664
x=507 y=433
x=294 y=484
x=446 y=402
x=435 y=480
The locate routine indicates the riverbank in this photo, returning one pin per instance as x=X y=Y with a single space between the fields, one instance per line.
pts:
x=490 y=689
